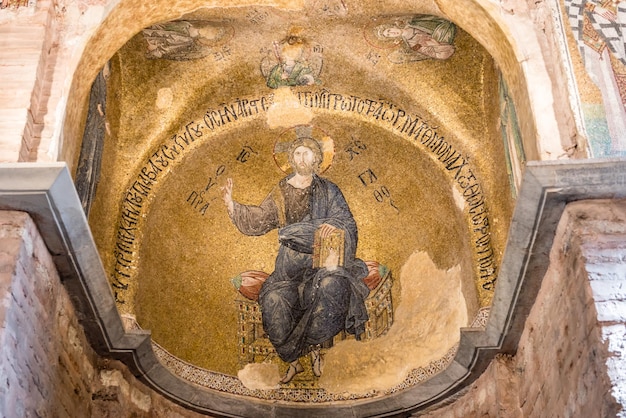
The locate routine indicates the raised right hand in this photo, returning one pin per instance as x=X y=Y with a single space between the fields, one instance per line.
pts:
x=227 y=195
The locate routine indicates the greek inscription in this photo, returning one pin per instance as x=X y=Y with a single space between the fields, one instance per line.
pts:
x=209 y=119
x=245 y=154
x=355 y=147
x=193 y=130
x=256 y=17
x=117 y=297
x=411 y=126
x=199 y=200
x=159 y=162
x=379 y=109
x=220 y=170
x=382 y=194
x=368 y=177
x=226 y=113
x=223 y=54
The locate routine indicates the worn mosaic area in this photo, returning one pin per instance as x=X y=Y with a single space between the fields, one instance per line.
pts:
x=231 y=384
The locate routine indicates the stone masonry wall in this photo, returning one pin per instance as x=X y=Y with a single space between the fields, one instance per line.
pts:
x=47 y=368
x=562 y=356
x=571 y=360
x=605 y=262
x=40 y=47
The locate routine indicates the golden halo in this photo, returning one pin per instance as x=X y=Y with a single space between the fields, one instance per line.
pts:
x=286 y=138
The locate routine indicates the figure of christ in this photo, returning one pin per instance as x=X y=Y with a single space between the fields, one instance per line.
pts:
x=303 y=307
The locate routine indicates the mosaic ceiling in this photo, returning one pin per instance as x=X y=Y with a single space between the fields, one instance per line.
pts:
x=305 y=205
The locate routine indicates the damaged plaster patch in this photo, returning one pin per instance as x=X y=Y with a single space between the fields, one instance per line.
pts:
x=426 y=325
x=141 y=400
x=260 y=376
x=164 y=98
x=458 y=198
x=286 y=110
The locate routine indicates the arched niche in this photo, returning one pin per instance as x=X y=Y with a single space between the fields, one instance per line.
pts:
x=164 y=160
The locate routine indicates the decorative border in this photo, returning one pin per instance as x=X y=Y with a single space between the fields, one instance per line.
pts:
x=231 y=384
x=16 y=4
x=568 y=67
x=481 y=318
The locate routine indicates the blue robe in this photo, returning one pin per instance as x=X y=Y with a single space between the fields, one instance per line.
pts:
x=304 y=306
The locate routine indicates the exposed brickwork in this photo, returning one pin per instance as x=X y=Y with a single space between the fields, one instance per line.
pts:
x=45 y=372
x=571 y=359
x=25 y=40
x=561 y=357
x=47 y=368
x=40 y=97
x=605 y=262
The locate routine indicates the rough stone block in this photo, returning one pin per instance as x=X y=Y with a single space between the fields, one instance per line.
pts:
x=608 y=290
x=612 y=311
x=611 y=271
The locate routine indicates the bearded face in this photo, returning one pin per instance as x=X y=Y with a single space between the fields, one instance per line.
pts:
x=304 y=161
x=304 y=169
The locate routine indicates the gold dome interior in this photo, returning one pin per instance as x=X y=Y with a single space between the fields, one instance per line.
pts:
x=415 y=142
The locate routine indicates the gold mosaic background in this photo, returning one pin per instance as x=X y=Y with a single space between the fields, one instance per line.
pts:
x=185 y=254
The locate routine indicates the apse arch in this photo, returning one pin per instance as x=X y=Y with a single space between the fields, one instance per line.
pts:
x=467 y=362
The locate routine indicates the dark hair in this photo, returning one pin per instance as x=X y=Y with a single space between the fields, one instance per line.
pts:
x=311 y=144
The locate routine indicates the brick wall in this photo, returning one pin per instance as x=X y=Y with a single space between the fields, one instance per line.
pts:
x=571 y=360
x=25 y=48
x=47 y=368
x=605 y=263
x=40 y=47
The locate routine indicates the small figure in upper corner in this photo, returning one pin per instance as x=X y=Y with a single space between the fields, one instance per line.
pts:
x=183 y=40
x=421 y=37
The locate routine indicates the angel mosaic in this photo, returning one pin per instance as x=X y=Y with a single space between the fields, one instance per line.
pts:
x=183 y=40
x=291 y=62
x=413 y=38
